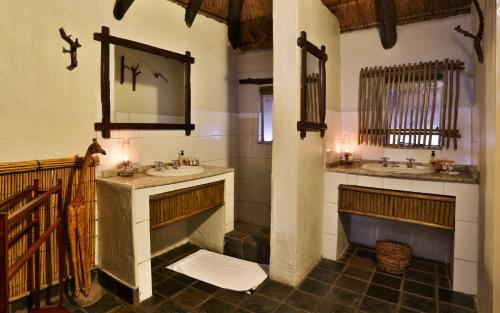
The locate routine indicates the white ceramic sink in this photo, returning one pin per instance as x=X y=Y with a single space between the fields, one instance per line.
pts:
x=398 y=169
x=181 y=171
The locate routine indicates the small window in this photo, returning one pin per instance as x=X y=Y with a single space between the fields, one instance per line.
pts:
x=266 y=115
x=410 y=105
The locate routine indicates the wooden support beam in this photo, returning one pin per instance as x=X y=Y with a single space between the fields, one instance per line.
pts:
x=121 y=7
x=191 y=10
x=256 y=81
x=386 y=15
x=234 y=22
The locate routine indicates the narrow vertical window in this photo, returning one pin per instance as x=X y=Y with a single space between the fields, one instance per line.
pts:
x=266 y=115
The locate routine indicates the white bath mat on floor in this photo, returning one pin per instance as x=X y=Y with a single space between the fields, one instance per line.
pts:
x=221 y=270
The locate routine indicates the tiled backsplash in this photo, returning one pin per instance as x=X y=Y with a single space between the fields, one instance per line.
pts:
x=468 y=145
x=213 y=142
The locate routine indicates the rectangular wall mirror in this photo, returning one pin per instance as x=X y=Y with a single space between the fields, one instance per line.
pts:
x=143 y=87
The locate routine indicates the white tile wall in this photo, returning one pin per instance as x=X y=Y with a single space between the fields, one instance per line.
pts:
x=329 y=246
x=466 y=244
x=397 y=184
x=144 y=282
x=465 y=276
x=467 y=200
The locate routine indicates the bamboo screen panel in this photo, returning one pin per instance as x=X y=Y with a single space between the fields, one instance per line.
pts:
x=167 y=208
x=15 y=177
x=423 y=209
x=313 y=91
x=411 y=105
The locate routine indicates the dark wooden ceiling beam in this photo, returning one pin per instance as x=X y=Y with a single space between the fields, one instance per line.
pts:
x=121 y=7
x=386 y=16
x=191 y=11
x=234 y=22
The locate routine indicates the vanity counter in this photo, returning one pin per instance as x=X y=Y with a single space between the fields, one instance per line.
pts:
x=467 y=175
x=142 y=180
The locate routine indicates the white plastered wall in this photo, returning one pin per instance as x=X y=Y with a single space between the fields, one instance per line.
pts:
x=298 y=164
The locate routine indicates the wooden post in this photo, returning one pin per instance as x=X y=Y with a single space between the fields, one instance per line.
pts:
x=4 y=282
x=60 y=241
x=36 y=230
x=105 y=84
x=187 y=94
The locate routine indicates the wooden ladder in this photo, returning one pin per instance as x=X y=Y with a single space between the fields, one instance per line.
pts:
x=30 y=213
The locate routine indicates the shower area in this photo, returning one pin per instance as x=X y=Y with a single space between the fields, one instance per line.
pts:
x=250 y=238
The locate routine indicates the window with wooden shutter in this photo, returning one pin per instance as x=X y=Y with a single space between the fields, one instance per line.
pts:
x=411 y=105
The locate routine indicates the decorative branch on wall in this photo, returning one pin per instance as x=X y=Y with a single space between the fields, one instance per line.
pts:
x=160 y=75
x=73 y=46
x=135 y=73
x=256 y=81
x=479 y=35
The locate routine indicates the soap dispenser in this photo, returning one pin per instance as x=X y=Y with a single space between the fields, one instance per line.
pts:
x=432 y=159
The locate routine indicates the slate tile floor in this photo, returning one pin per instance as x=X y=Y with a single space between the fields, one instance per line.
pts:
x=353 y=284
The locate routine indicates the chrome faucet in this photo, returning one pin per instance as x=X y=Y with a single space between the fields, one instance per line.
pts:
x=409 y=164
x=158 y=166
x=384 y=161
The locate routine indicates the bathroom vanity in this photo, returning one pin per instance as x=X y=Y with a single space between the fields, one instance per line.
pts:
x=442 y=204
x=132 y=208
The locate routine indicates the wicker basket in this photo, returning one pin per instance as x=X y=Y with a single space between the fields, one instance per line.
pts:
x=393 y=256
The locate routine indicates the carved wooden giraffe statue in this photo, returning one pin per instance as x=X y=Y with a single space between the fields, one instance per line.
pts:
x=77 y=228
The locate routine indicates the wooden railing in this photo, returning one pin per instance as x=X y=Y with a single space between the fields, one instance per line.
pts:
x=30 y=213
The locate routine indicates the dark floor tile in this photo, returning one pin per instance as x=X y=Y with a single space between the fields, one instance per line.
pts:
x=189 y=248
x=383 y=293
x=156 y=279
x=158 y=262
x=315 y=287
x=351 y=249
x=170 y=306
x=231 y=297
x=358 y=273
x=240 y=310
x=287 y=309
x=366 y=253
x=213 y=305
x=201 y=285
x=323 y=275
x=345 y=258
x=163 y=271
x=419 y=303
x=183 y=278
x=444 y=282
x=421 y=277
x=457 y=298
x=259 y=304
x=107 y=303
x=352 y=284
x=344 y=297
x=190 y=297
x=422 y=266
x=449 y=308
x=386 y=280
x=371 y=305
x=420 y=289
x=233 y=247
x=363 y=263
x=168 y=287
x=236 y=235
x=274 y=290
x=331 y=265
x=330 y=306
x=303 y=301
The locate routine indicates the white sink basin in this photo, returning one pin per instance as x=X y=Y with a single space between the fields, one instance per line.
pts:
x=398 y=169
x=181 y=171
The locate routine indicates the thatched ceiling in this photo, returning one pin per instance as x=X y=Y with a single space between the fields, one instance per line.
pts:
x=359 y=14
x=256 y=16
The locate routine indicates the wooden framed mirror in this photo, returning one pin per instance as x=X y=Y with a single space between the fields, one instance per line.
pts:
x=143 y=87
x=312 y=87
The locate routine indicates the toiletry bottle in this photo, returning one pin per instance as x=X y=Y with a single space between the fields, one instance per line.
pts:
x=180 y=158
x=432 y=160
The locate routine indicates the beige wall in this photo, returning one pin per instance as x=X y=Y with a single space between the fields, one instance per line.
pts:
x=487 y=88
x=47 y=111
x=424 y=41
x=298 y=164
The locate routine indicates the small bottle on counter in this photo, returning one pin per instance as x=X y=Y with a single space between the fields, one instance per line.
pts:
x=432 y=160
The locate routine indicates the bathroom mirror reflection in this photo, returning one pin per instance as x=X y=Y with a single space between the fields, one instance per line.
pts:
x=147 y=88
x=143 y=87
